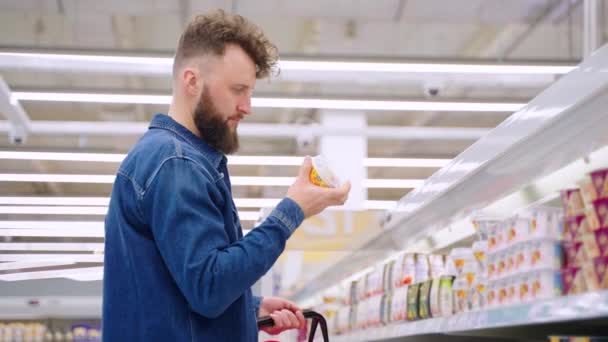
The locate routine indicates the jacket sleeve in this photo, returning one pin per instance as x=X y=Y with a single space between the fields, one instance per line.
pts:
x=188 y=228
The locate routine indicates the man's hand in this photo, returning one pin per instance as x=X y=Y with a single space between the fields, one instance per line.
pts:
x=314 y=199
x=286 y=315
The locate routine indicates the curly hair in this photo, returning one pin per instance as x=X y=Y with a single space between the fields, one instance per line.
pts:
x=209 y=34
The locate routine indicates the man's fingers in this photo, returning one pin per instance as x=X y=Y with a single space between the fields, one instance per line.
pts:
x=293 y=320
x=279 y=320
x=301 y=319
x=305 y=168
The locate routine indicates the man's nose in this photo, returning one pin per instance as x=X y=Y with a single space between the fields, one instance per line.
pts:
x=244 y=107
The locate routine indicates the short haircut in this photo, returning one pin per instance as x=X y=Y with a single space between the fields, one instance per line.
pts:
x=209 y=34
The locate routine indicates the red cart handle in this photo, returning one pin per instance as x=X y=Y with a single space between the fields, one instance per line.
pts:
x=317 y=319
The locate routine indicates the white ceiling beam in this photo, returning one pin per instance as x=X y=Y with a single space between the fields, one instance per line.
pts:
x=104 y=201
x=281 y=102
x=52 y=246
x=269 y=131
x=16 y=115
x=232 y=159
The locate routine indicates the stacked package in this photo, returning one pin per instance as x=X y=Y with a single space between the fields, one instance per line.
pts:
x=525 y=257
x=586 y=234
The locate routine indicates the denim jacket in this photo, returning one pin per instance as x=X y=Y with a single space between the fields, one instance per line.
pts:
x=177 y=266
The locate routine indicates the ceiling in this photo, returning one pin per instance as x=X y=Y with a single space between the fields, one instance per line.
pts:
x=476 y=31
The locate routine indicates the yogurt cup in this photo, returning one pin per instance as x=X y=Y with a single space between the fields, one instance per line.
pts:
x=599 y=179
x=321 y=174
x=601 y=210
x=572 y=202
x=546 y=254
x=545 y=284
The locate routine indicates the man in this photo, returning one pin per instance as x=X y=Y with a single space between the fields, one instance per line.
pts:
x=177 y=266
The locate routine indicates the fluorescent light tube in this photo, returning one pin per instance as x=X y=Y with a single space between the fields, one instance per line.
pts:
x=51 y=246
x=53 y=210
x=236 y=180
x=81 y=274
x=52 y=225
x=18 y=265
x=74 y=201
x=163 y=65
x=63 y=156
x=232 y=160
x=52 y=257
x=64 y=232
x=84 y=210
x=270 y=102
x=393 y=183
x=56 y=178
x=104 y=201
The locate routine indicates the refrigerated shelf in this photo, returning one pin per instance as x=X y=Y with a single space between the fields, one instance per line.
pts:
x=564 y=123
x=563 y=315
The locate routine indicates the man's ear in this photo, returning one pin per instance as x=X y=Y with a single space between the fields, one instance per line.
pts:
x=192 y=81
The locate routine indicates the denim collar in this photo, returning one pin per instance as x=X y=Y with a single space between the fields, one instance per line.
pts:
x=164 y=121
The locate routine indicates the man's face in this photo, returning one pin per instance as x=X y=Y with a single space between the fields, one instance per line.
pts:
x=225 y=99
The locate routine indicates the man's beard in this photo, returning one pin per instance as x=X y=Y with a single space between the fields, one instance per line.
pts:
x=213 y=127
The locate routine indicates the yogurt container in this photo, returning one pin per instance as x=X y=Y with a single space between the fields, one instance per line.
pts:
x=321 y=174
x=545 y=284
x=572 y=202
x=573 y=280
x=601 y=210
x=545 y=254
x=599 y=179
x=546 y=222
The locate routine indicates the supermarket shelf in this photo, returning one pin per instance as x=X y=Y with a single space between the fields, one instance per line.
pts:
x=588 y=306
x=15 y=308
x=564 y=123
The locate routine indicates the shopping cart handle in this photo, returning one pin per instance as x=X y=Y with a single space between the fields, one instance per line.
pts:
x=317 y=319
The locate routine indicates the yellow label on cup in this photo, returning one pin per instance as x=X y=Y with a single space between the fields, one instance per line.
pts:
x=316 y=179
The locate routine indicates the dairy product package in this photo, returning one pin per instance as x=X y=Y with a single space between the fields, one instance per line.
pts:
x=483 y=225
x=385 y=309
x=601 y=210
x=492 y=296
x=461 y=294
x=437 y=265
x=524 y=288
x=446 y=296
x=522 y=257
x=599 y=179
x=545 y=222
x=399 y=304
x=546 y=254
x=460 y=257
x=572 y=202
x=574 y=254
x=480 y=252
x=387 y=274
x=588 y=191
x=518 y=229
x=424 y=297
x=575 y=227
x=422 y=268
x=321 y=173
x=595 y=273
x=404 y=270
x=478 y=293
x=434 y=298
x=413 y=292
x=573 y=280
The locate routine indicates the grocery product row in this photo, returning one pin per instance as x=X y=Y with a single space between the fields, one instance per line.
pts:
x=41 y=332
x=537 y=254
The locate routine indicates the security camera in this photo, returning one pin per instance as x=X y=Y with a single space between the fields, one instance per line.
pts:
x=432 y=89
x=305 y=139
x=16 y=139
